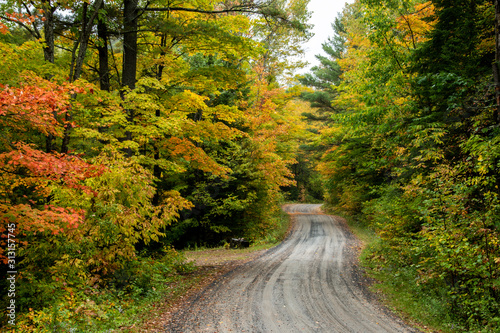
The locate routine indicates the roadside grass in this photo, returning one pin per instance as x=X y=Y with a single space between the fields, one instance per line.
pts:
x=146 y=292
x=399 y=290
x=221 y=255
x=144 y=302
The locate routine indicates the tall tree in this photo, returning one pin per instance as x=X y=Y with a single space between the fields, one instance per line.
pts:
x=409 y=151
x=327 y=75
x=187 y=134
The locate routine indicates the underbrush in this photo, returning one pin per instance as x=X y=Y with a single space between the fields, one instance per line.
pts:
x=427 y=304
x=403 y=294
x=280 y=223
x=122 y=299
x=431 y=302
x=117 y=303
x=434 y=250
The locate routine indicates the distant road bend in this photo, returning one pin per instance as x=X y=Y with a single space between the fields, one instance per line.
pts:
x=309 y=283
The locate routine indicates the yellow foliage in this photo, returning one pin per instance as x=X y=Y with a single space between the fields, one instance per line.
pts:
x=416 y=25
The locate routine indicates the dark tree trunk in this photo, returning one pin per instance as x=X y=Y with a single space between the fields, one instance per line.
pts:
x=48 y=53
x=496 y=64
x=129 y=43
x=102 y=48
x=87 y=26
x=48 y=30
x=130 y=14
x=156 y=149
x=102 y=32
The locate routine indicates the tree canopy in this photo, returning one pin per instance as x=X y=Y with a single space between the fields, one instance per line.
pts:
x=129 y=127
x=412 y=147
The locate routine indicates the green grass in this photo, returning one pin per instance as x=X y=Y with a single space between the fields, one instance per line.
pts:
x=399 y=290
x=149 y=286
x=106 y=309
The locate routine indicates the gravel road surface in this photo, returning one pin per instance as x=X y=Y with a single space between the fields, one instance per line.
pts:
x=309 y=283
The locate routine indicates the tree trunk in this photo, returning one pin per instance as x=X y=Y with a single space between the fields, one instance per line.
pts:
x=156 y=148
x=48 y=31
x=86 y=31
x=87 y=26
x=48 y=52
x=496 y=64
x=129 y=43
x=102 y=32
x=130 y=13
x=102 y=49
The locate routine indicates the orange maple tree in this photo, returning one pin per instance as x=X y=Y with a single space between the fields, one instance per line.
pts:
x=29 y=175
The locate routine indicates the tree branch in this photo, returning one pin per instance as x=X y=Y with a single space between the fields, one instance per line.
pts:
x=411 y=30
x=32 y=32
x=202 y=11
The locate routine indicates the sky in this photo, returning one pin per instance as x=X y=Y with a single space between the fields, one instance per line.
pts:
x=324 y=13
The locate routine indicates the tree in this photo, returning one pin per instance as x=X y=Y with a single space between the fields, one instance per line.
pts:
x=325 y=77
x=129 y=126
x=408 y=154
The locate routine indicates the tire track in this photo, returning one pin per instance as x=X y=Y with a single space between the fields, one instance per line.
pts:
x=309 y=283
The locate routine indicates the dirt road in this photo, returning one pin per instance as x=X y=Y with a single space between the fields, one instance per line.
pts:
x=309 y=283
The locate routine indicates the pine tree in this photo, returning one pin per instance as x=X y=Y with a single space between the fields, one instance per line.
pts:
x=323 y=77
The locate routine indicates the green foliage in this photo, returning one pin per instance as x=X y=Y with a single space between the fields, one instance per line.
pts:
x=401 y=287
x=188 y=138
x=89 y=308
x=456 y=43
x=327 y=75
x=413 y=152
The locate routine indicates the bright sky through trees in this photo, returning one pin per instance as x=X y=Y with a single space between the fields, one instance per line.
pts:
x=323 y=14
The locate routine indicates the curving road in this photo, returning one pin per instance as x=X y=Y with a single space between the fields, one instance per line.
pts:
x=309 y=283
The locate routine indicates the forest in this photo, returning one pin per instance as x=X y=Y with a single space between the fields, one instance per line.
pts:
x=410 y=97
x=133 y=129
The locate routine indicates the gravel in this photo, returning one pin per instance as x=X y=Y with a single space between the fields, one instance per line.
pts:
x=309 y=283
